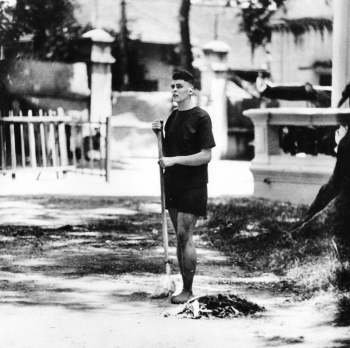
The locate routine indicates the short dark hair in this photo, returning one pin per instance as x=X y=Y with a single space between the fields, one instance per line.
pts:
x=180 y=74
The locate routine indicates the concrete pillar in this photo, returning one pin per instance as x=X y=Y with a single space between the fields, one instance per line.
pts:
x=101 y=76
x=341 y=49
x=219 y=111
x=266 y=142
x=214 y=76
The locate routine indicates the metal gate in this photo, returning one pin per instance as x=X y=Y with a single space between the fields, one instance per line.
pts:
x=89 y=148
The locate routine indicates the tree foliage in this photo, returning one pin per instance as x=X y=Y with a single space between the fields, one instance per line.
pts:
x=255 y=20
x=52 y=24
x=8 y=29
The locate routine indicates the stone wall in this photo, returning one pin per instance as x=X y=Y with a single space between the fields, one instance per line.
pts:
x=282 y=176
x=133 y=113
x=28 y=84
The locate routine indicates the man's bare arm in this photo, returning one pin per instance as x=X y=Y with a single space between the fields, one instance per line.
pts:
x=198 y=159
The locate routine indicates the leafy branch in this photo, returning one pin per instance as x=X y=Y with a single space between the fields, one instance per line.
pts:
x=51 y=23
x=255 y=20
x=258 y=24
x=8 y=29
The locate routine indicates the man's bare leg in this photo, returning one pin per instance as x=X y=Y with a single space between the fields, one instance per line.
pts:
x=186 y=254
x=173 y=213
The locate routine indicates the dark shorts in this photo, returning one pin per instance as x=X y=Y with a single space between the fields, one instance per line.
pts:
x=192 y=200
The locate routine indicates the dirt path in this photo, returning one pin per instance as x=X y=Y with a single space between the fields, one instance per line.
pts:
x=83 y=280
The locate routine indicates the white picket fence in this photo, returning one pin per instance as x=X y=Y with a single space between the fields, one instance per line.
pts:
x=52 y=141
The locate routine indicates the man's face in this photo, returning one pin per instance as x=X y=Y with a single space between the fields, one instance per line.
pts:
x=181 y=90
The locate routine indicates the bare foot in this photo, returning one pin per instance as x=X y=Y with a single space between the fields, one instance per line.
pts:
x=183 y=297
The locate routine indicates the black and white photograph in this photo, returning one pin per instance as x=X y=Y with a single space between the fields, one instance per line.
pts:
x=174 y=173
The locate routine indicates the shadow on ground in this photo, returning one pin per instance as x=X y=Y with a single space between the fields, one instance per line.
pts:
x=89 y=257
x=85 y=266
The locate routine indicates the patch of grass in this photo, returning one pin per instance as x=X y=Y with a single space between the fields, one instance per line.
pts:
x=342 y=276
x=316 y=274
x=232 y=216
x=343 y=313
x=252 y=232
x=285 y=340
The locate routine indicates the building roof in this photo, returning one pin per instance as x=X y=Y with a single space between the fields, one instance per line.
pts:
x=307 y=8
x=156 y=21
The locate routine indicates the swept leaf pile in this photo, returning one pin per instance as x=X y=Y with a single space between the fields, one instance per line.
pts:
x=220 y=306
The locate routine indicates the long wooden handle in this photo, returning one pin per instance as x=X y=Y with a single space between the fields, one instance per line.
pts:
x=162 y=198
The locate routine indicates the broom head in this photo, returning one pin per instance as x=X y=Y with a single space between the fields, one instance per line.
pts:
x=165 y=288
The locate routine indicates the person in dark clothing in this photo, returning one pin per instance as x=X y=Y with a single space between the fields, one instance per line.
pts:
x=339 y=182
x=188 y=140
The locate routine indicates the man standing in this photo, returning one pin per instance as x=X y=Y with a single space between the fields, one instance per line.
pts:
x=188 y=142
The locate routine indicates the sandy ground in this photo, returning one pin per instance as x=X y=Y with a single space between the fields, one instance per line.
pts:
x=134 y=177
x=66 y=289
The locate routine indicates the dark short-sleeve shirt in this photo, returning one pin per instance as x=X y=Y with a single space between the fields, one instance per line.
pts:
x=187 y=133
x=341 y=174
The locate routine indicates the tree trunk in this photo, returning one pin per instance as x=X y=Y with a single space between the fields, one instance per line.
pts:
x=186 y=57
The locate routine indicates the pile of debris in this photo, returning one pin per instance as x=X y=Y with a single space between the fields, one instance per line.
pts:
x=220 y=306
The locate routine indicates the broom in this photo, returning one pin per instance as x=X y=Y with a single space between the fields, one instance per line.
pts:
x=166 y=286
